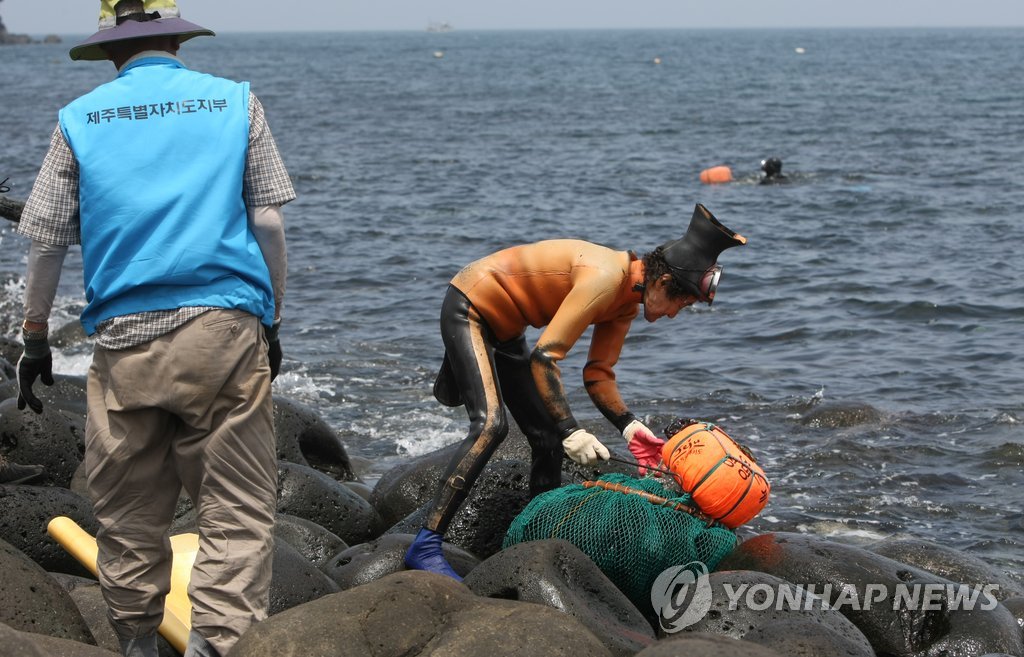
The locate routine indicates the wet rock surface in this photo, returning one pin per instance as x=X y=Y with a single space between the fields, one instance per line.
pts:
x=370 y=561
x=556 y=574
x=25 y=512
x=414 y=613
x=316 y=544
x=746 y=605
x=313 y=495
x=304 y=438
x=707 y=645
x=499 y=495
x=31 y=601
x=901 y=609
x=48 y=439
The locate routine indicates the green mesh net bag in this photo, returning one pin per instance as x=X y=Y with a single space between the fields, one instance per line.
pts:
x=633 y=529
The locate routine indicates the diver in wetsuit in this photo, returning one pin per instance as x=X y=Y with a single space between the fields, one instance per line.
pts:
x=561 y=286
x=772 y=168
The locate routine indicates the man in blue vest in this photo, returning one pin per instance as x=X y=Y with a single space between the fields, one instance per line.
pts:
x=171 y=182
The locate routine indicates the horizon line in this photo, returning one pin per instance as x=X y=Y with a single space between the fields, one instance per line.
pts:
x=350 y=30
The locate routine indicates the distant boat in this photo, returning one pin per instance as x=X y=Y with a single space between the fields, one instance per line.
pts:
x=443 y=26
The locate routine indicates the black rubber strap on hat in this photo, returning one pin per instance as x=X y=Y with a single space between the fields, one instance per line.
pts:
x=139 y=17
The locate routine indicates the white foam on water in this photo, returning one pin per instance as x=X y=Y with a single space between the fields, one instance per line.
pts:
x=432 y=430
x=830 y=528
x=436 y=432
x=303 y=387
x=911 y=501
x=71 y=363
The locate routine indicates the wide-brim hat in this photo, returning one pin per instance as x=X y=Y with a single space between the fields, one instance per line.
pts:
x=122 y=20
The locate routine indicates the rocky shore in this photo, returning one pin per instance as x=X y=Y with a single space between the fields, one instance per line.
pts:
x=339 y=586
x=8 y=39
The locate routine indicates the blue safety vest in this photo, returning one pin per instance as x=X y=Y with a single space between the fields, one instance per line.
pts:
x=161 y=153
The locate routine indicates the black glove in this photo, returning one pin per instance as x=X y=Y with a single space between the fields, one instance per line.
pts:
x=274 y=352
x=35 y=363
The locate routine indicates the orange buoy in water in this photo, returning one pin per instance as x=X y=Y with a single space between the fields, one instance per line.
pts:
x=716 y=175
x=721 y=475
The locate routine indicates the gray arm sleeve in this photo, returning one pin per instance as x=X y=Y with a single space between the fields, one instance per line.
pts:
x=44 y=264
x=267 y=224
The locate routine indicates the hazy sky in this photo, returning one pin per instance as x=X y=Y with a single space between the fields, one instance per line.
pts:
x=79 y=16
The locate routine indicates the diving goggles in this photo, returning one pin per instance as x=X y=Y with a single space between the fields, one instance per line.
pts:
x=709 y=283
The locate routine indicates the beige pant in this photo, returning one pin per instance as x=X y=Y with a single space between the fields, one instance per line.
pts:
x=191 y=408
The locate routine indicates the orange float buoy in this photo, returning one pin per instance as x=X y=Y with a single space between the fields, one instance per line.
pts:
x=721 y=475
x=716 y=175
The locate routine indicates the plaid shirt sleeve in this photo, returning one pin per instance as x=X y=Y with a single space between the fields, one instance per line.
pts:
x=266 y=180
x=51 y=212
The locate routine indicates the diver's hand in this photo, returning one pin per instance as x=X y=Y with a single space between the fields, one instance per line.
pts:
x=35 y=363
x=643 y=445
x=584 y=448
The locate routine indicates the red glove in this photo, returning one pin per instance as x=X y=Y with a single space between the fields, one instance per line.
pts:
x=644 y=445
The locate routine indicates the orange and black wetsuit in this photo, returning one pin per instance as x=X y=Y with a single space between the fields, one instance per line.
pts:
x=561 y=286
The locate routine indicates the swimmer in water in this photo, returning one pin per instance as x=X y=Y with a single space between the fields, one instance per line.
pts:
x=772 y=168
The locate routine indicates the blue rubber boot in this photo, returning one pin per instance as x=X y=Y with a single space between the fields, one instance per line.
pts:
x=425 y=554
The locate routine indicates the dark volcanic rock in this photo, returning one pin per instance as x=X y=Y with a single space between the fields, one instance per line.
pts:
x=803 y=637
x=555 y=573
x=901 y=609
x=364 y=563
x=741 y=608
x=1016 y=607
x=89 y=599
x=839 y=416
x=310 y=494
x=311 y=540
x=948 y=563
x=25 y=511
x=48 y=439
x=66 y=396
x=31 y=601
x=27 y=644
x=295 y=580
x=405 y=488
x=708 y=645
x=303 y=437
x=414 y=613
x=10 y=352
x=499 y=495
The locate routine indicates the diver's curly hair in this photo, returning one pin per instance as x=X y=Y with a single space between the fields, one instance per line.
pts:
x=655 y=267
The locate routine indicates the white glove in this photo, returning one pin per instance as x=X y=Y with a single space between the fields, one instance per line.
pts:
x=584 y=448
